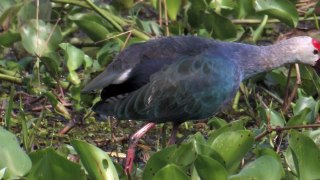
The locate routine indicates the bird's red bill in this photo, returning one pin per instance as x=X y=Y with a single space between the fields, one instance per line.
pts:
x=316 y=44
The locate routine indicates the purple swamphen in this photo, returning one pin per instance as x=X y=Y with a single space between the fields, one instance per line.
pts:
x=175 y=79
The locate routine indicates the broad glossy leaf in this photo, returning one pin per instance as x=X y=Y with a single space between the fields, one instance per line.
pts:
x=283 y=10
x=232 y=126
x=233 y=145
x=208 y=168
x=196 y=12
x=29 y=11
x=244 y=8
x=87 y=21
x=157 y=161
x=275 y=117
x=170 y=171
x=8 y=38
x=217 y=122
x=220 y=27
x=73 y=77
x=205 y=150
x=73 y=55
x=97 y=162
x=173 y=8
x=300 y=118
x=305 y=154
x=52 y=63
x=306 y=102
x=222 y=4
x=184 y=155
x=40 y=38
x=263 y=168
x=14 y=161
x=47 y=165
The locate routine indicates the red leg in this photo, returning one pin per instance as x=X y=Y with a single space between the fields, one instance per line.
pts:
x=173 y=136
x=132 y=146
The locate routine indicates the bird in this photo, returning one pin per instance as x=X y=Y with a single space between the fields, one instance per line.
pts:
x=181 y=78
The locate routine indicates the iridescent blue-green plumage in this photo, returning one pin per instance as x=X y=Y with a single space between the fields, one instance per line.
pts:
x=185 y=78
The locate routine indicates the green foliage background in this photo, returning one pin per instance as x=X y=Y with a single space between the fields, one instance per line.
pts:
x=49 y=49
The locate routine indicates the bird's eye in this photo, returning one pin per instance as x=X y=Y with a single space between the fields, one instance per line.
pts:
x=315 y=51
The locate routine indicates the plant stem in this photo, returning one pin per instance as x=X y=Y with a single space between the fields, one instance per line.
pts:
x=258 y=21
x=10 y=79
x=116 y=21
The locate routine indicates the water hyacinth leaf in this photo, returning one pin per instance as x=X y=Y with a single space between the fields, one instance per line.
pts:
x=96 y=162
x=275 y=117
x=244 y=9
x=157 y=161
x=39 y=38
x=170 y=171
x=258 y=32
x=49 y=165
x=233 y=126
x=306 y=102
x=220 y=27
x=87 y=21
x=305 y=154
x=233 y=145
x=205 y=150
x=208 y=168
x=73 y=55
x=184 y=155
x=196 y=12
x=284 y=10
x=300 y=118
x=14 y=162
x=173 y=8
x=222 y=4
x=8 y=11
x=29 y=11
x=263 y=168
x=74 y=78
x=52 y=62
x=8 y=38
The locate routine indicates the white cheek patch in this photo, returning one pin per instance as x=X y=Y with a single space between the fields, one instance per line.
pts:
x=122 y=77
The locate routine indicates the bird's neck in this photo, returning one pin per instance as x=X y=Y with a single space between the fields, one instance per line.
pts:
x=264 y=58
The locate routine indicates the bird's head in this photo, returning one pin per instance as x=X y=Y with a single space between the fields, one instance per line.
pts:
x=316 y=52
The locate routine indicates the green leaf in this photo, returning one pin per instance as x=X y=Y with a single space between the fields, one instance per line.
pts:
x=40 y=38
x=73 y=55
x=264 y=168
x=275 y=117
x=196 y=12
x=233 y=145
x=306 y=102
x=221 y=27
x=47 y=165
x=14 y=161
x=97 y=162
x=217 y=122
x=52 y=63
x=300 y=118
x=244 y=8
x=305 y=154
x=284 y=10
x=258 y=32
x=208 y=168
x=173 y=7
x=9 y=37
x=157 y=161
x=87 y=21
x=170 y=171
x=232 y=126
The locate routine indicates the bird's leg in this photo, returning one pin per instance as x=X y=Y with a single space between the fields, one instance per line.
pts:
x=132 y=145
x=173 y=137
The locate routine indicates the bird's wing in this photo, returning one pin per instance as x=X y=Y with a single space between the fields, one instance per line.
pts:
x=192 y=88
x=151 y=55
